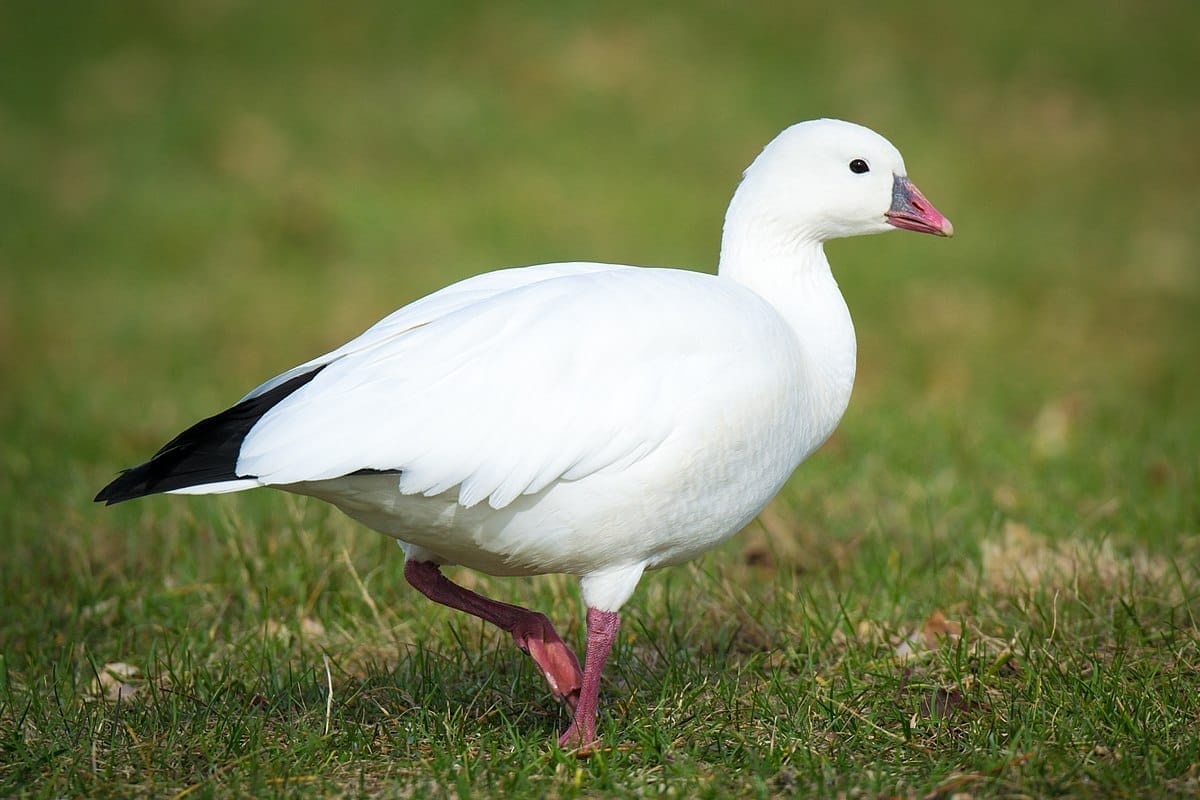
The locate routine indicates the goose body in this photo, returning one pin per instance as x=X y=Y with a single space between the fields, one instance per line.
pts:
x=591 y=419
x=636 y=441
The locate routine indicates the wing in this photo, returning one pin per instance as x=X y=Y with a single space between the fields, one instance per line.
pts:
x=204 y=458
x=509 y=391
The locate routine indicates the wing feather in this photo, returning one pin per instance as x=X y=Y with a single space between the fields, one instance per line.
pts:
x=503 y=387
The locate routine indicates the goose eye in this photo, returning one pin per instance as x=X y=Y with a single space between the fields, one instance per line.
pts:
x=858 y=166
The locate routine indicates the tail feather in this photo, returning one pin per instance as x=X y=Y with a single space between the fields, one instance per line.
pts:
x=205 y=453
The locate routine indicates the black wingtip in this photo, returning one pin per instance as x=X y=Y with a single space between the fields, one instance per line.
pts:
x=107 y=495
x=207 y=452
x=130 y=484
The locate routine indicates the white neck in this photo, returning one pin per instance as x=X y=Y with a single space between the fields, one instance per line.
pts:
x=789 y=270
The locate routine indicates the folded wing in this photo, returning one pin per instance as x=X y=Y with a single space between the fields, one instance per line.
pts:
x=508 y=390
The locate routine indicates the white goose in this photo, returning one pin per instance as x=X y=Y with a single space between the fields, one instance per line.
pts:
x=592 y=419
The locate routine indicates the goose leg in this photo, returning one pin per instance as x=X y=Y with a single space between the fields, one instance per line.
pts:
x=532 y=631
x=601 y=633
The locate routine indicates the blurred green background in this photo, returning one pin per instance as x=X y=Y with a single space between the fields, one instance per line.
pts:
x=196 y=196
x=199 y=195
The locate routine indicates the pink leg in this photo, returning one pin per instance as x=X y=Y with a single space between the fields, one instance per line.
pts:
x=601 y=633
x=532 y=632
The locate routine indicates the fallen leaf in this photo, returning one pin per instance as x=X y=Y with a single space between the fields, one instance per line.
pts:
x=118 y=682
x=945 y=704
x=937 y=628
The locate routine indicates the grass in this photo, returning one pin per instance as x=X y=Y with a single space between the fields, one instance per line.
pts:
x=984 y=585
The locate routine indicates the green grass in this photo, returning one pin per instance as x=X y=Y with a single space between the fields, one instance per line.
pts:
x=196 y=196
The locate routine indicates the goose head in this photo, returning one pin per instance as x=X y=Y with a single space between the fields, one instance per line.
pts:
x=828 y=179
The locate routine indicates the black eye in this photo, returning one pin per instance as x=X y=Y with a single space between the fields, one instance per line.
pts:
x=858 y=166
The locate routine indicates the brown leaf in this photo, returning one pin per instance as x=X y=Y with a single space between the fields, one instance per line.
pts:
x=945 y=704
x=937 y=628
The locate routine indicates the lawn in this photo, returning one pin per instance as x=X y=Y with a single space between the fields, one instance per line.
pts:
x=984 y=585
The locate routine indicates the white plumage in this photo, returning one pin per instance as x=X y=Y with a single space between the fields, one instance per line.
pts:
x=596 y=419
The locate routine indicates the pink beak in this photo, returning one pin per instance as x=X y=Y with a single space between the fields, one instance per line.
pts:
x=912 y=212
